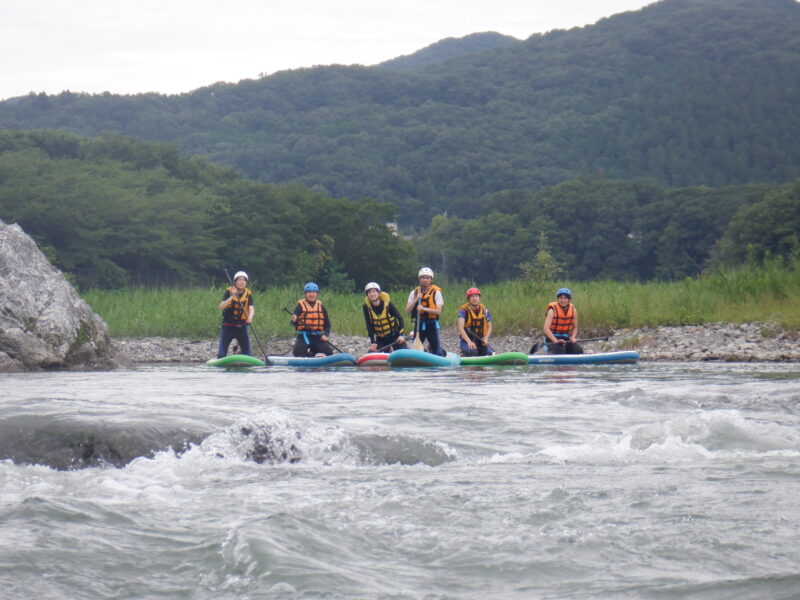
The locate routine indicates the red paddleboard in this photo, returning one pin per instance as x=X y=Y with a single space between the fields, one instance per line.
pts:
x=376 y=359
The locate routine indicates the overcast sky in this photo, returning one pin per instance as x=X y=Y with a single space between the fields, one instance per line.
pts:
x=173 y=46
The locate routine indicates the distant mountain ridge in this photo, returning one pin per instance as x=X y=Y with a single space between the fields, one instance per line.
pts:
x=449 y=48
x=686 y=92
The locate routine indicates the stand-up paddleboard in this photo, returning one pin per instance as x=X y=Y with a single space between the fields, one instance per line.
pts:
x=236 y=360
x=343 y=359
x=621 y=357
x=504 y=358
x=375 y=359
x=418 y=358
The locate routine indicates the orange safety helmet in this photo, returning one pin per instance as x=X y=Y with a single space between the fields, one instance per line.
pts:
x=472 y=291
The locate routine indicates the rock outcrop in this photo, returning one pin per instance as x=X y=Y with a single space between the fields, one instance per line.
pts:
x=44 y=324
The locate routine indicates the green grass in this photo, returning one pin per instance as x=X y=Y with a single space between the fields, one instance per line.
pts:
x=768 y=293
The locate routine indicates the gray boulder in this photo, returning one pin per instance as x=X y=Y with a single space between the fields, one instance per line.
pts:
x=44 y=324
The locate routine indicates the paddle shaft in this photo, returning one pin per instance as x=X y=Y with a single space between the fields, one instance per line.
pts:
x=417 y=342
x=328 y=341
x=535 y=347
x=241 y=306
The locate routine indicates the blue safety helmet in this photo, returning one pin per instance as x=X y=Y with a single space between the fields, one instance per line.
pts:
x=564 y=291
x=311 y=287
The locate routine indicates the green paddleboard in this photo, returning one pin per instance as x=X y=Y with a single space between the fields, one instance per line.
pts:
x=504 y=358
x=236 y=360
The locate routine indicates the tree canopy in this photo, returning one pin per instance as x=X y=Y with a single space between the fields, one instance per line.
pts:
x=655 y=93
x=108 y=208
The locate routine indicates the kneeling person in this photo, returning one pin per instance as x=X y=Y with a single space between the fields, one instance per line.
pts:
x=310 y=319
x=474 y=326
x=384 y=322
x=561 y=325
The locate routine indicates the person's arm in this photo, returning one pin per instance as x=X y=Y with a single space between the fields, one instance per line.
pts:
x=462 y=332
x=412 y=302
x=368 y=322
x=227 y=298
x=251 y=312
x=488 y=327
x=573 y=335
x=298 y=310
x=326 y=325
x=547 y=333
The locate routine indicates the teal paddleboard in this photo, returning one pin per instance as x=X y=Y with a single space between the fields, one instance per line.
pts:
x=418 y=358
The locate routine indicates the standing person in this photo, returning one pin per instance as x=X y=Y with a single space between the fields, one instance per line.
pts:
x=474 y=326
x=384 y=322
x=425 y=303
x=313 y=326
x=237 y=313
x=561 y=325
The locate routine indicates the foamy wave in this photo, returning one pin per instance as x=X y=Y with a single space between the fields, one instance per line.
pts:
x=696 y=436
x=273 y=437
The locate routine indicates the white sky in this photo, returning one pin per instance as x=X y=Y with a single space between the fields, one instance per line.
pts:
x=173 y=46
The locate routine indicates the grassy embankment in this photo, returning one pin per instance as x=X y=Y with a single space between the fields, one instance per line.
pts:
x=746 y=294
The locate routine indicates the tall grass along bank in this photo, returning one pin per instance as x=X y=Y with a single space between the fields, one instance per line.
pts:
x=766 y=293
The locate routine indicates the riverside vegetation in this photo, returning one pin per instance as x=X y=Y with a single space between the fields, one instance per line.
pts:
x=765 y=293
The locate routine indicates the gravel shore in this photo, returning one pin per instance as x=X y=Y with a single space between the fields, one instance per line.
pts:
x=749 y=342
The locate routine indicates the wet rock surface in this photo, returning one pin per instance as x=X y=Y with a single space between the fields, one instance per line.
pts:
x=747 y=342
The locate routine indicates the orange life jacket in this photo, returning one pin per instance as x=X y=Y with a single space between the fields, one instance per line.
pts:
x=429 y=301
x=239 y=310
x=311 y=318
x=563 y=321
x=476 y=321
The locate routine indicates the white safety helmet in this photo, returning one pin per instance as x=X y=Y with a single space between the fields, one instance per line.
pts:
x=425 y=271
x=240 y=274
x=371 y=286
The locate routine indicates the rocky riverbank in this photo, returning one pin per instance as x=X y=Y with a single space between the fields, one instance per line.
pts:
x=749 y=342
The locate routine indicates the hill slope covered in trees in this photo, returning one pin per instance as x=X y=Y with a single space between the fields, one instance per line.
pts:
x=685 y=92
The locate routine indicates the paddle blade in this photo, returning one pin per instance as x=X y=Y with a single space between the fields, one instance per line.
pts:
x=534 y=348
x=418 y=344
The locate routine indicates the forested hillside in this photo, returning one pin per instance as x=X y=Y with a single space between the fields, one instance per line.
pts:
x=448 y=49
x=114 y=211
x=684 y=92
x=599 y=228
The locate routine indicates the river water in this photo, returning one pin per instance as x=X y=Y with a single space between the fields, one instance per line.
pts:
x=657 y=480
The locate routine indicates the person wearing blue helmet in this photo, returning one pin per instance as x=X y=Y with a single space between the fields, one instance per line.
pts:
x=561 y=325
x=310 y=320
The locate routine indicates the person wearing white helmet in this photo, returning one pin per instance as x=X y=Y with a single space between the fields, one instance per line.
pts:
x=238 y=310
x=384 y=322
x=561 y=325
x=425 y=303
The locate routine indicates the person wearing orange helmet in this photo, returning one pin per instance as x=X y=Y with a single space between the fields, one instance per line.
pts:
x=474 y=326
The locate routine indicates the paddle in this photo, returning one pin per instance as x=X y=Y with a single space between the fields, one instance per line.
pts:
x=327 y=342
x=381 y=349
x=417 y=342
x=241 y=306
x=535 y=346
